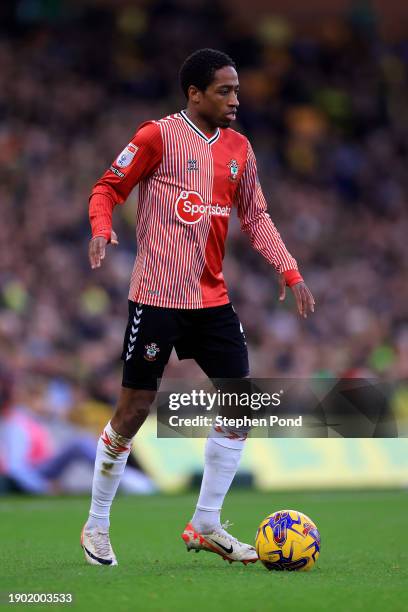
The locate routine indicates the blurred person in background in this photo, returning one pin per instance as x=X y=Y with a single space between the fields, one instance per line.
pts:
x=31 y=458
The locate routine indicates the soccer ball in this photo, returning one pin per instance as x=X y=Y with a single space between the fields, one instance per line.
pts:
x=288 y=540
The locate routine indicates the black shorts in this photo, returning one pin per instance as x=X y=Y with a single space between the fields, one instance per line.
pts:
x=213 y=337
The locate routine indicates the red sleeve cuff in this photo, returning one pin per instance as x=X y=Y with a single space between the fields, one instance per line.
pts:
x=292 y=277
x=100 y=215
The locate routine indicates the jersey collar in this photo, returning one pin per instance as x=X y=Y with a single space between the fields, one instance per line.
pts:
x=199 y=132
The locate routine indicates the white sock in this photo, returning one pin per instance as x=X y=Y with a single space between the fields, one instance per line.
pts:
x=221 y=464
x=111 y=456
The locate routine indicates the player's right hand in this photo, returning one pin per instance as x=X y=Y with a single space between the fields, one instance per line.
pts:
x=97 y=247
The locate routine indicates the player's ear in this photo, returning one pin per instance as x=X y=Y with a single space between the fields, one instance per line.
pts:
x=194 y=94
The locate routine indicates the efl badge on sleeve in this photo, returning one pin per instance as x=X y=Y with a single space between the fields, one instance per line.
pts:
x=126 y=157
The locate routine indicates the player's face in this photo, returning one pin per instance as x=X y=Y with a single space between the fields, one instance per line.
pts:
x=218 y=104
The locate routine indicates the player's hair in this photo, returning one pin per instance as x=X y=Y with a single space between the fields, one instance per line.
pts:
x=199 y=68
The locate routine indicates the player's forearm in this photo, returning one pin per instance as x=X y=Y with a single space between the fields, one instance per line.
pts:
x=266 y=239
x=100 y=215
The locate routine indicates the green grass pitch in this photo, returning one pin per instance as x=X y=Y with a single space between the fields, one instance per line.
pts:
x=363 y=562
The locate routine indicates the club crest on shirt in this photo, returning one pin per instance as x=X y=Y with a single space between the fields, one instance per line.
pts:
x=151 y=351
x=234 y=169
x=125 y=158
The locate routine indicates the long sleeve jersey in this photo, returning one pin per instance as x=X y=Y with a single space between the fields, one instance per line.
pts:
x=189 y=184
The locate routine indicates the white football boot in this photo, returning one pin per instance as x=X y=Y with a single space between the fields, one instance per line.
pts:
x=97 y=547
x=221 y=542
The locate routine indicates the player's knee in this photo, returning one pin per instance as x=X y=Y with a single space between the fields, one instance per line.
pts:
x=132 y=410
x=136 y=400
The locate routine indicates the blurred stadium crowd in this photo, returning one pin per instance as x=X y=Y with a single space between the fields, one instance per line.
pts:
x=328 y=117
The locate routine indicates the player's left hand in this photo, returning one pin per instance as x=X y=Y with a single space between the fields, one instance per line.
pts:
x=304 y=298
x=97 y=247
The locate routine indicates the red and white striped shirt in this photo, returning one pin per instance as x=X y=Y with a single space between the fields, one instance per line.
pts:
x=188 y=185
